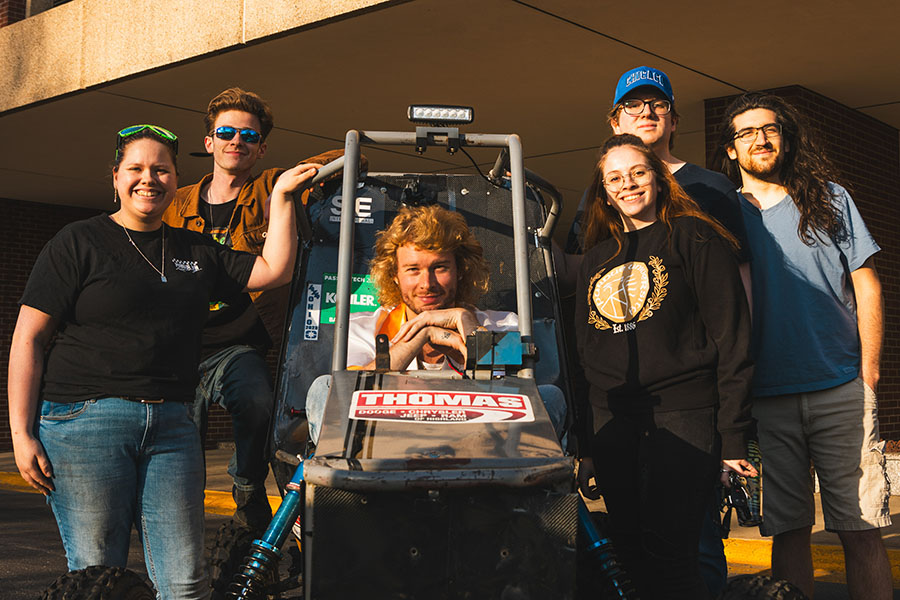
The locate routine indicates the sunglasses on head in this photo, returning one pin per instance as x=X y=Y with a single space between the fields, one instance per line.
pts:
x=249 y=136
x=162 y=133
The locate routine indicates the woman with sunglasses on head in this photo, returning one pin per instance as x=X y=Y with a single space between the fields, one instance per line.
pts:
x=663 y=334
x=105 y=350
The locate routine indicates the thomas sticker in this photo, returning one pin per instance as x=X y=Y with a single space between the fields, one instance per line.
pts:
x=440 y=407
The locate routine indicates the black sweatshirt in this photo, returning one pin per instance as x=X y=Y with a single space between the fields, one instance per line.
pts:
x=665 y=324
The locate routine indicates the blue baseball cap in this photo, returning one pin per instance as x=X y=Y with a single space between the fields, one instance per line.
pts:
x=640 y=77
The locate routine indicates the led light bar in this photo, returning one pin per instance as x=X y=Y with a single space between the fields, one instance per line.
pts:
x=440 y=115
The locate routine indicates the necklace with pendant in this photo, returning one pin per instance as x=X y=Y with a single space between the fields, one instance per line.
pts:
x=162 y=273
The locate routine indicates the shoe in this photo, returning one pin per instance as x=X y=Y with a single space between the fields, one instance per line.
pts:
x=253 y=510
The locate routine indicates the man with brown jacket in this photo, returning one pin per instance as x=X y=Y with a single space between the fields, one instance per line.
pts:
x=231 y=206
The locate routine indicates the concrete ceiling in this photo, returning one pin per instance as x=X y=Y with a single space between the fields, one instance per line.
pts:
x=544 y=69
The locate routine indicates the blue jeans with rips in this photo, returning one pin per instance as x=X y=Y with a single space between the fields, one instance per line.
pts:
x=119 y=463
x=237 y=379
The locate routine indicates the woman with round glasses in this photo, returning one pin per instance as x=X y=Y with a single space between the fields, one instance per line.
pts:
x=105 y=350
x=663 y=333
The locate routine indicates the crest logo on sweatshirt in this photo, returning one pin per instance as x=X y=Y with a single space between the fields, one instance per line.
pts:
x=620 y=298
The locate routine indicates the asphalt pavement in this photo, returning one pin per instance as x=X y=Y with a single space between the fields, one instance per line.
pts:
x=31 y=554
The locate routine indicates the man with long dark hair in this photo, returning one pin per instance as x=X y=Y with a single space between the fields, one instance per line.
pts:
x=818 y=327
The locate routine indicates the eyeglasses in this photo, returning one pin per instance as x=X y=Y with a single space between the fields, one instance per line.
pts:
x=748 y=135
x=615 y=181
x=161 y=132
x=635 y=106
x=250 y=136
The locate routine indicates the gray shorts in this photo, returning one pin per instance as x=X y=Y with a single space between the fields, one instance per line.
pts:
x=834 y=431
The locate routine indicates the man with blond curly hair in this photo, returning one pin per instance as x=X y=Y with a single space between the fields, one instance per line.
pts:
x=430 y=272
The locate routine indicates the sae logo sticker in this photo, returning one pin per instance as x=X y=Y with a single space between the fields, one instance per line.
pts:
x=313 y=303
x=363 y=210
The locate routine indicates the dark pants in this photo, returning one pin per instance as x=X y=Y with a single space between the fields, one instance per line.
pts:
x=656 y=472
x=713 y=564
x=237 y=379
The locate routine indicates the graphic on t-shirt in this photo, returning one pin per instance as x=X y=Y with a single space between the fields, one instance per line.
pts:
x=222 y=236
x=619 y=298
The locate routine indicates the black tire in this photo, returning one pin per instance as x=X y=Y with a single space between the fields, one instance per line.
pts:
x=760 y=587
x=226 y=555
x=99 y=583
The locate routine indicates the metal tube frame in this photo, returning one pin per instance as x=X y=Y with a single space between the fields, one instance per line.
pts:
x=352 y=143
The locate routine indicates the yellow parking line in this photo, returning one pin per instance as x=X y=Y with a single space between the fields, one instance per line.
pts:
x=221 y=503
x=217 y=503
x=14 y=482
x=754 y=556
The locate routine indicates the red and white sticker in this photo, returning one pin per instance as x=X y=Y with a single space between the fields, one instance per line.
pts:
x=440 y=407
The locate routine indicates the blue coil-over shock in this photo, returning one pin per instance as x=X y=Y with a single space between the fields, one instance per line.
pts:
x=261 y=564
x=601 y=550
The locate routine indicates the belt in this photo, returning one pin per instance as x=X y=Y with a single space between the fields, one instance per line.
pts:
x=143 y=400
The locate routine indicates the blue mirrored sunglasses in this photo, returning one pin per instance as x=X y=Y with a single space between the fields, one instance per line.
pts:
x=249 y=136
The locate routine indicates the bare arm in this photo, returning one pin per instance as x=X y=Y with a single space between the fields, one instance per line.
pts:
x=403 y=352
x=870 y=320
x=274 y=267
x=459 y=319
x=26 y=365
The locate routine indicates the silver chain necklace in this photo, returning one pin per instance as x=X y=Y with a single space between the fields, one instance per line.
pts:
x=162 y=273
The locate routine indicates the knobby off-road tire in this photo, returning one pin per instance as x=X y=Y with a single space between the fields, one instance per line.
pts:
x=760 y=587
x=225 y=556
x=99 y=583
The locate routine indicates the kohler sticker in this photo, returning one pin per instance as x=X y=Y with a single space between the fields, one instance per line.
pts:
x=440 y=407
x=311 y=319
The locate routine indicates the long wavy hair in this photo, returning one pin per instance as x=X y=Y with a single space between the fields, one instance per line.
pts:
x=805 y=171
x=434 y=229
x=602 y=221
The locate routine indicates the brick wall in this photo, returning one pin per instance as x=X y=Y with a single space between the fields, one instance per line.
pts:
x=867 y=154
x=24 y=229
x=11 y=11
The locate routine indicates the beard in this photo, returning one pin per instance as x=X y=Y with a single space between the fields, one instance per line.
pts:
x=761 y=168
x=417 y=307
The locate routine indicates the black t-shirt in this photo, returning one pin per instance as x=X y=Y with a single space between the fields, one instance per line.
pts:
x=717 y=197
x=121 y=330
x=714 y=193
x=665 y=324
x=231 y=320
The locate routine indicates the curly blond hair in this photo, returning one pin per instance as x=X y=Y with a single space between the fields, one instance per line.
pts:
x=434 y=229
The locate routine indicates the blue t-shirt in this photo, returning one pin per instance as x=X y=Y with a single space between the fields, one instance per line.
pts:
x=805 y=335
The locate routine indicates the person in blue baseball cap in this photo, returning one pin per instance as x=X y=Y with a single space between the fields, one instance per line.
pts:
x=644 y=105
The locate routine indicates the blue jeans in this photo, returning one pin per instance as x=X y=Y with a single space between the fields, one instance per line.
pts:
x=118 y=463
x=317 y=397
x=237 y=379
